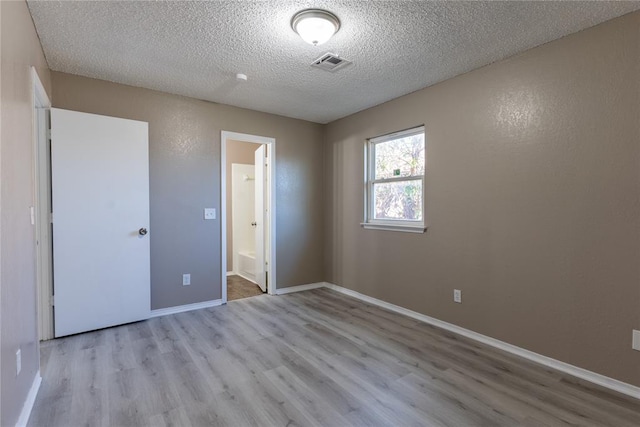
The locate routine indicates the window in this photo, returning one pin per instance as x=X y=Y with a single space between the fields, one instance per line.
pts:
x=394 y=190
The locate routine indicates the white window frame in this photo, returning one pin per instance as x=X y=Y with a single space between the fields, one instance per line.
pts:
x=369 y=180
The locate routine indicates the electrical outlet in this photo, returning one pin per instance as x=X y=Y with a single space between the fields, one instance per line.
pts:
x=635 y=343
x=457 y=296
x=186 y=279
x=18 y=362
x=209 y=213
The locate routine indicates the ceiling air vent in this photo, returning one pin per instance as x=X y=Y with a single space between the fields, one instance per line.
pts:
x=330 y=62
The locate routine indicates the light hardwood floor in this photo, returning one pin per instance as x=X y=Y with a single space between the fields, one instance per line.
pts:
x=310 y=358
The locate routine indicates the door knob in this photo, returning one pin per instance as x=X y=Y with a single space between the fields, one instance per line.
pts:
x=142 y=231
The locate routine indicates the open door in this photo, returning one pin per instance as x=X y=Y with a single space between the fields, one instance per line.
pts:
x=260 y=216
x=100 y=201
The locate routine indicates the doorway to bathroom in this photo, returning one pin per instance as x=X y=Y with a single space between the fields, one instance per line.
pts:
x=248 y=224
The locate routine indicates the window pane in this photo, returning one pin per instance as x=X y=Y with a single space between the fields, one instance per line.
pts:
x=398 y=200
x=400 y=157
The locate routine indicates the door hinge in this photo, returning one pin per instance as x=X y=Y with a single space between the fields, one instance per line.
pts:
x=49 y=134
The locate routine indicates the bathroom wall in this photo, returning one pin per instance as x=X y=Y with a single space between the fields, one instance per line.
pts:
x=243 y=153
x=243 y=210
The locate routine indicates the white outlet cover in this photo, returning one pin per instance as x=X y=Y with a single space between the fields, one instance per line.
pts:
x=186 y=279
x=635 y=343
x=209 y=213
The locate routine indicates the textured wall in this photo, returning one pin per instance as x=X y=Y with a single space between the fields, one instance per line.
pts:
x=184 y=156
x=18 y=318
x=237 y=152
x=532 y=201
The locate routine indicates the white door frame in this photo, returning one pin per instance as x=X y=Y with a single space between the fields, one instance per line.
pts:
x=271 y=172
x=42 y=208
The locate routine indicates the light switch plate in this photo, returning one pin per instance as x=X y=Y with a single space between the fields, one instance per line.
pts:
x=209 y=213
x=635 y=343
x=186 y=279
x=457 y=296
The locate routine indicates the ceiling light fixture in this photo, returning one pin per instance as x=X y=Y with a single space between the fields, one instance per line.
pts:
x=315 y=26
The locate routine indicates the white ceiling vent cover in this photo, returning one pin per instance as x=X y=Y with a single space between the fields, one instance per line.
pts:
x=330 y=62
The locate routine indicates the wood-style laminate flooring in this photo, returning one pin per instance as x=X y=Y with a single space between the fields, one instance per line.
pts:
x=238 y=287
x=315 y=358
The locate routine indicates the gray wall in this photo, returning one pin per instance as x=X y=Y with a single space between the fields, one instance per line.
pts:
x=243 y=153
x=184 y=158
x=532 y=201
x=18 y=319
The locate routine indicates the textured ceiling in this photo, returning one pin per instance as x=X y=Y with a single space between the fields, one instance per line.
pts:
x=397 y=47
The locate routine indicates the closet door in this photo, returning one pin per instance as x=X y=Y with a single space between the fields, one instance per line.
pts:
x=100 y=202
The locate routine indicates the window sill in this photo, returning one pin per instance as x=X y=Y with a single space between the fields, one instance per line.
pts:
x=395 y=227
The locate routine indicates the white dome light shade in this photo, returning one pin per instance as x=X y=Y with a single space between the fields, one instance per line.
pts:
x=315 y=26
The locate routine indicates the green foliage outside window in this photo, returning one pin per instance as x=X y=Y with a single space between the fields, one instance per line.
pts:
x=399 y=199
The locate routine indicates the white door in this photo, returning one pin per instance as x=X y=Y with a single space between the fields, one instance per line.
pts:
x=100 y=202
x=260 y=166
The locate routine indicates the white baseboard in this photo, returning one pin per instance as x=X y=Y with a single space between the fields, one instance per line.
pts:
x=230 y=273
x=30 y=400
x=610 y=383
x=182 y=308
x=300 y=288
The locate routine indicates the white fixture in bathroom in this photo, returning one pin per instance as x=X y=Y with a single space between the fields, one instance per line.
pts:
x=243 y=215
x=247 y=265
